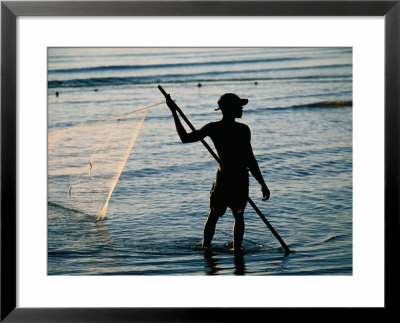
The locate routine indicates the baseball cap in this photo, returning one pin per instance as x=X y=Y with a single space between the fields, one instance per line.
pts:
x=229 y=99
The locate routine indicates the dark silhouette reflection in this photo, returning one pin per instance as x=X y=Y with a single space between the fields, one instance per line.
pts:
x=211 y=263
x=238 y=260
x=235 y=155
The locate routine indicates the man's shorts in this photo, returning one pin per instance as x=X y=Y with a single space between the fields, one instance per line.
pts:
x=229 y=192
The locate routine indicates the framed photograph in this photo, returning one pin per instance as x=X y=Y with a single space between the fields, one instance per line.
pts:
x=290 y=110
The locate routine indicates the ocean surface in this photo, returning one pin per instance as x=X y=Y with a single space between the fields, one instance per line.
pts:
x=300 y=115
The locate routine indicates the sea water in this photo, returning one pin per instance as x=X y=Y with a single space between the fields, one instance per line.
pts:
x=301 y=137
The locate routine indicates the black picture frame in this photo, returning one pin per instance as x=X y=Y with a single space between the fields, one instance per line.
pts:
x=10 y=10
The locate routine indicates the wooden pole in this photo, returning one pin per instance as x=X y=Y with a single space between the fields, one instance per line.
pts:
x=277 y=236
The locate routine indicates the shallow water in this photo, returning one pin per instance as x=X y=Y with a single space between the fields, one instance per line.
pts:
x=157 y=212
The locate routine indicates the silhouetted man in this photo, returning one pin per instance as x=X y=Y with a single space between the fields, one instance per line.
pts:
x=231 y=186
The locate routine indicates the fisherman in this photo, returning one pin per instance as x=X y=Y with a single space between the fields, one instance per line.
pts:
x=231 y=186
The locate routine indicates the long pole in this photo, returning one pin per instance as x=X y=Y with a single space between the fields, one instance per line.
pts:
x=277 y=236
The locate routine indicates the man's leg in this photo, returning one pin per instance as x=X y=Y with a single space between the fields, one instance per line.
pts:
x=238 y=229
x=209 y=228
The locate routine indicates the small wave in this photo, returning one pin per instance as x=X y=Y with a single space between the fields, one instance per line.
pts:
x=324 y=104
x=70 y=253
x=58 y=206
x=317 y=105
x=171 y=65
x=175 y=79
x=66 y=209
x=334 y=237
x=325 y=240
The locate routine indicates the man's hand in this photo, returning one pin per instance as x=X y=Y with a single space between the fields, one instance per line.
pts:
x=266 y=192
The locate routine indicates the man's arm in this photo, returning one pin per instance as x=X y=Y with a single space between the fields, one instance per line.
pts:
x=255 y=169
x=183 y=134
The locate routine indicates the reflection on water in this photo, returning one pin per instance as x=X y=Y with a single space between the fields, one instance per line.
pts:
x=212 y=263
x=238 y=261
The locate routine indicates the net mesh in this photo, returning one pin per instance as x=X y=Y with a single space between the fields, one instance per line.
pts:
x=85 y=161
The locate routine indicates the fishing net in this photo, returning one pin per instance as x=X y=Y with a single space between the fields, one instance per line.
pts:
x=85 y=161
